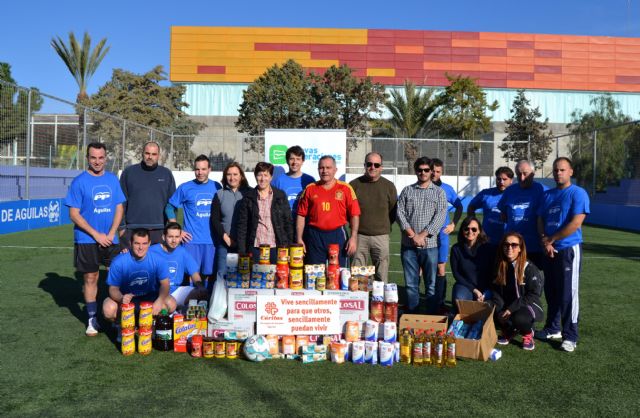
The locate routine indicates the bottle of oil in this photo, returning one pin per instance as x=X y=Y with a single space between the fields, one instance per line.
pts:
x=417 y=349
x=451 y=350
x=438 y=349
x=426 y=348
x=164 y=332
x=406 y=343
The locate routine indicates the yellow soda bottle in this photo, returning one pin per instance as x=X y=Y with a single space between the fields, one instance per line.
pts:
x=438 y=351
x=451 y=350
x=426 y=348
x=406 y=342
x=417 y=349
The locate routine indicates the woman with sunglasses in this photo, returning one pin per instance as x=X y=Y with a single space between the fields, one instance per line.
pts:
x=470 y=262
x=516 y=291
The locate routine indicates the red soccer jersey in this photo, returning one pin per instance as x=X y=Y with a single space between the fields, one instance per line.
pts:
x=328 y=209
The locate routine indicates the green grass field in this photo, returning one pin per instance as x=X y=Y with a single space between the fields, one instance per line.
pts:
x=50 y=368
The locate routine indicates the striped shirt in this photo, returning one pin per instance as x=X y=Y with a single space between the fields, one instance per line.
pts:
x=265 y=234
x=422 y=209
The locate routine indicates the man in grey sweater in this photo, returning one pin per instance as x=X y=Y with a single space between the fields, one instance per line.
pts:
x=147 y=187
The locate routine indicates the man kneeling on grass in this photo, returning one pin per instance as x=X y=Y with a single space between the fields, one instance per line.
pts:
x=137 y=276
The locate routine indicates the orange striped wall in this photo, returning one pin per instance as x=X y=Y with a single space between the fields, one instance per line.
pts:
x=506 y=60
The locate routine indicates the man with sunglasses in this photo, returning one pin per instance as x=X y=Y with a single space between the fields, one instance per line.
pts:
x=378 y=199
x=422 y=209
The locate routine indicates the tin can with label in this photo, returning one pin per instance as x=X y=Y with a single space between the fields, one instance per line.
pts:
x=296 y=252
x=265 y=254
x=282 y=276
x=128 y=344
x=145 y=317
x=207 y=347
x=144 y=341
x=232 y=349
x=283 y=255
x=127 y=316
x=244 y=263
x=334 y=254
x=296 y=276
x=196 y=346
x=333 y=277
x=219 y=349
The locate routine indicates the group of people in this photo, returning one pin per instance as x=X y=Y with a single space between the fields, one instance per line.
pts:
x=524 y=226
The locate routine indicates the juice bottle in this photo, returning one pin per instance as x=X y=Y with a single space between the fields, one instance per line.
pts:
x=164 y=332
x=438 y=349
x=451 y=350
x=426 y=348
x=417 y=349
x=406 y=341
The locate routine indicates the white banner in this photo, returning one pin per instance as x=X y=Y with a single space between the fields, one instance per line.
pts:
x=298 y=315
x=314 y=142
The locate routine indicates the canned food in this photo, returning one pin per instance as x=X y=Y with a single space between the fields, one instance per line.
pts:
x=265 y=254
x=128 y=344
x=244 y=263
x=353 y=283
x=296 y=278
x=128 y=316
x=334 y=254
x=333 y=277
x=145 y=317
x=232 y=349
x=282 y=276
x=144 y=341
x=220 y=349
x=196 y=346
x=296 y=252
x=283 y=255
x=207 y=347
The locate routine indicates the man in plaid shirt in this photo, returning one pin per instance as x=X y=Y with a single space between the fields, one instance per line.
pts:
x=422 y=209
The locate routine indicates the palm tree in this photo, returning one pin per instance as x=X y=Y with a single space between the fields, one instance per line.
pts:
x=412 y=114
x=81 y=61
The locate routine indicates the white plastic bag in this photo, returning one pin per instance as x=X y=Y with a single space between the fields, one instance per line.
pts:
x=218 y=302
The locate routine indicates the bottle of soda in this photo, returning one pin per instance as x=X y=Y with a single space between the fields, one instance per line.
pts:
x=163 y=339
x=451 y=350
x=417 y=349
x=438 y=350
x=426 y=348
x=406 y=341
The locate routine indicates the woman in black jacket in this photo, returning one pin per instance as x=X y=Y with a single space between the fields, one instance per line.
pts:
x=516 y=291
x=264 y=216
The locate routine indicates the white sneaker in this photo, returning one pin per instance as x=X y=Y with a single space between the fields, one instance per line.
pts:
x=568 y=346
x=92 y=327
x=544 y=335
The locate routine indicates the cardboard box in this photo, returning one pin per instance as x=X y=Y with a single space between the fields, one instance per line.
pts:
x=423 y=322
x=354 y=306
x=471 y=312
x=216 y=329
x=241 y=303
x=183 y=330
x=301 y=292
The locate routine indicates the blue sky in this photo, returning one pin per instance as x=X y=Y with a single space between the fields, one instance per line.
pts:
x=138 y=31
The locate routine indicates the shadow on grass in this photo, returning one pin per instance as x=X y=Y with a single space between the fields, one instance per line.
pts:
x=622 y=251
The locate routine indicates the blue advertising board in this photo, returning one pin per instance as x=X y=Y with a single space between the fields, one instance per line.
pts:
x=23 y=215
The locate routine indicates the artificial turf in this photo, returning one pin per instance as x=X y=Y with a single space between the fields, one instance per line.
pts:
x=48 y=367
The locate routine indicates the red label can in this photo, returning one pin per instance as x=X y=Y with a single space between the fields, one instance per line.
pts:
x=333 y=277
x=145 y=317
x=334 y=254
x=127 y=316
x=282 y=276
x=196 y=346
x=283 y=255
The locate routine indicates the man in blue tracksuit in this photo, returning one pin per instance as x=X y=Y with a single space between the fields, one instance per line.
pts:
x=560 y=216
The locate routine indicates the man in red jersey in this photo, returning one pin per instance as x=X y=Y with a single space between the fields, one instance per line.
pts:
x=324 y=208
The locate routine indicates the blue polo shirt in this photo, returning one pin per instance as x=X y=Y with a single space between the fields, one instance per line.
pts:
x=558 y=208
x=195 y=198
x=492 y=223
x=138 y=277
x=452 y=199
x=520 y=206
x=178 y=261
x=292 y=186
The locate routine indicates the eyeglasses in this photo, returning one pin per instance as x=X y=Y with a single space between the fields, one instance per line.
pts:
x=423 y=170
x=508 y=245
x=471 y=229
x=374 y=165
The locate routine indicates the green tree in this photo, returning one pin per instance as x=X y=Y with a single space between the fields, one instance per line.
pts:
x=612 y=159
x=525 y=133
x=413 y=111
x=464 y=113
x=141 y=99
x=81 y=60
x=287 y=97
x=14 y=109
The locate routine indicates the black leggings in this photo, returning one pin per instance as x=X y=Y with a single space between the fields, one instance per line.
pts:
x=520 y=320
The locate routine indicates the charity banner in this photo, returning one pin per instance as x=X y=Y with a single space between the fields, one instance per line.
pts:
x=298 y=315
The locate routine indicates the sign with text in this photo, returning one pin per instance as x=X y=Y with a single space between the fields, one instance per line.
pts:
x=23 y=215
x=298 y=315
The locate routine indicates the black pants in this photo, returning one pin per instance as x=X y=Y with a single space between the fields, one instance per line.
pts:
x=520 y=320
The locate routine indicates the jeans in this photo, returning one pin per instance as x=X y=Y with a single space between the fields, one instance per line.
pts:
x=413 y=259
x=221 y=259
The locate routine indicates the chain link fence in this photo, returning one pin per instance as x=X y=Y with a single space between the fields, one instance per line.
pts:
x=41 y=153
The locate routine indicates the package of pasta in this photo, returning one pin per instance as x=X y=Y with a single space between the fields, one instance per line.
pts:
x=312 y=274
x=364 y=277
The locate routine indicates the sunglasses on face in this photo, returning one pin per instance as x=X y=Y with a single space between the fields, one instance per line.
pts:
x=472 y=229
x=508 y=245
x=374 y=165
x=423 y=170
